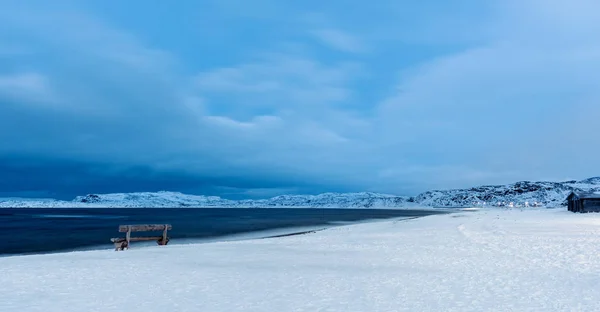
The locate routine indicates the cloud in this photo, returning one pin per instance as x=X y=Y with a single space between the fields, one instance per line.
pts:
x=257 y=123
x=27 y=86
x=303 y=95
x=339 y=40
x=277 y=78
x=112 y=105
x=129 y=106
x=71 y=178
x=512 y=107
x=432 y=106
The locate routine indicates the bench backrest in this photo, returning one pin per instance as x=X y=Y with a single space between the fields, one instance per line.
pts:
x=144 y=227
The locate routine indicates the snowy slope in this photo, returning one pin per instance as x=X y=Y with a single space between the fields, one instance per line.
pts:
x=173 y=199
x=520 y=194
x=488 y=260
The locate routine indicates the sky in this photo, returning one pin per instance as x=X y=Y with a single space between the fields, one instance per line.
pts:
x=252 y=99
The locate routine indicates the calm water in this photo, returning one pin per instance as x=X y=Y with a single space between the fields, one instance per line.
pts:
x=28 y=230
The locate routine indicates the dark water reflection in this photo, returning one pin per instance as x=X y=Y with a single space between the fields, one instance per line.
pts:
x=30 y=230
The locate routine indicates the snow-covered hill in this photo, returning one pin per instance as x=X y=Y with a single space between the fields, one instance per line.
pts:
x=173 y=199
x=520 y=194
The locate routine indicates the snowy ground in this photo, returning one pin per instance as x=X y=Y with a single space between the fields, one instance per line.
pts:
x=489 y=260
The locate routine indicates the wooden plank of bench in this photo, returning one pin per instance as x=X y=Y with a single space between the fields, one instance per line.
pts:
x=144 y=227
x=145 y=238
x=136 y=239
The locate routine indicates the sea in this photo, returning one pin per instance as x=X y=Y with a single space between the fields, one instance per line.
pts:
x=45 y=230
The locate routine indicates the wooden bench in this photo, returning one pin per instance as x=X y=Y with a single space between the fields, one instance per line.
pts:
x=122 y=243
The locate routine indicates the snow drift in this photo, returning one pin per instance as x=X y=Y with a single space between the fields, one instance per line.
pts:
x=488 y=260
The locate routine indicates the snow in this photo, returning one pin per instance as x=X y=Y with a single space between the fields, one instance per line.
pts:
x=176 y=199
x=520 y=194
x=489 y=259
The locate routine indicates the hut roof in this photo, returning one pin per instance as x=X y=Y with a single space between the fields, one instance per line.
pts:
x=585 y=195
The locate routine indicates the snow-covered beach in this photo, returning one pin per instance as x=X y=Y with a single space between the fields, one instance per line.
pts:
x=486 y=260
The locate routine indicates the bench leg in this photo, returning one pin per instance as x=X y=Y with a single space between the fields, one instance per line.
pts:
x=121 y=246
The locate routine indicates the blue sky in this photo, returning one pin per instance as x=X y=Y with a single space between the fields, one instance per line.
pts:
x=259 y=98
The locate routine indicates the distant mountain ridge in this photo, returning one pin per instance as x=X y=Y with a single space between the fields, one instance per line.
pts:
x=520 y=194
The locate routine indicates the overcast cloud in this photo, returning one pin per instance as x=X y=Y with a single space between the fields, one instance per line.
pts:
x=255 y=99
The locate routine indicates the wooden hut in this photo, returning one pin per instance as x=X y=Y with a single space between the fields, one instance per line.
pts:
x=584 y=202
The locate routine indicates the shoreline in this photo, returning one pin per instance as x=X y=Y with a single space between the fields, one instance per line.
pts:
x=409 y=208
x=278 y=232
x=253 y=235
